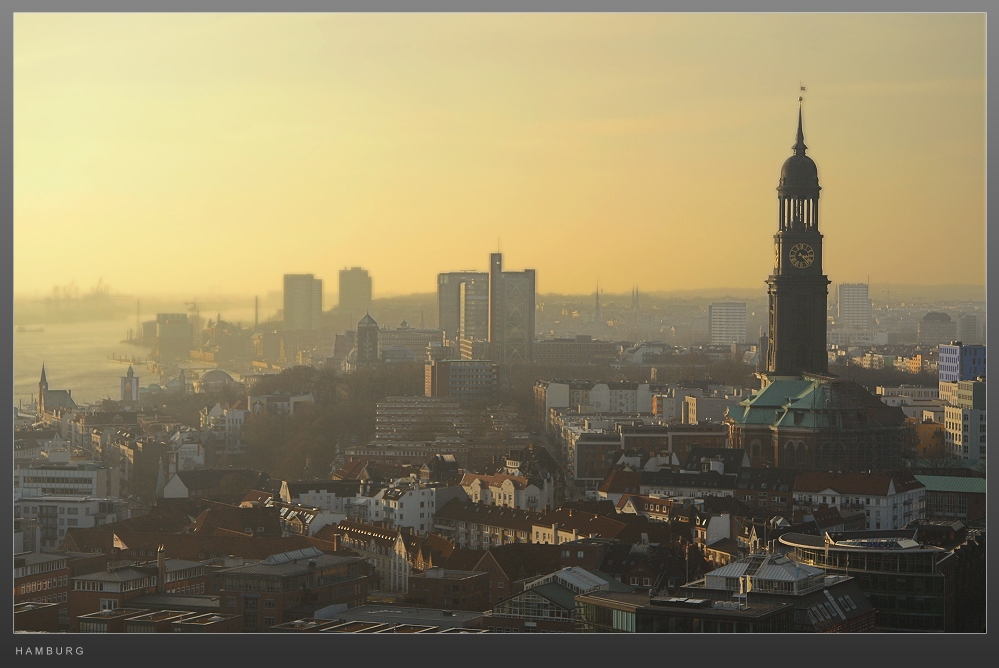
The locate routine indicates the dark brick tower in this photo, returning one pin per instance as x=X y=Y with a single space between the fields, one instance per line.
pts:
x=797 y=287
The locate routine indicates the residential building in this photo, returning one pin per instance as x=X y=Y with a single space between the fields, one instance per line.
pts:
x=581 y=350
x=669 y=406
x=507 y=491
x=464 y=380
x=384 y=549
x=888 y=500
x=966 y=422
x=472 y=525
x=727 y=323
x=355 y=291
x=511 y=312
x=303 y=302
x=224 y=426
x=702 y=410
x=278 y=404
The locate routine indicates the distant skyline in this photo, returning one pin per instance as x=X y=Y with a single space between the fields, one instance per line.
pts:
x=214 y=153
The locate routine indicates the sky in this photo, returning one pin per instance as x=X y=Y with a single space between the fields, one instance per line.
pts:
x=213 y=153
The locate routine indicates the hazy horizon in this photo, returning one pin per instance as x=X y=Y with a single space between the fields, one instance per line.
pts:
x=936 y=291
x=216 y=152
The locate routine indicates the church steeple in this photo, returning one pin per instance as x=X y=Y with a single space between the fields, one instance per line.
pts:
x=799 y=145
x=797 y=288
x=43 y=383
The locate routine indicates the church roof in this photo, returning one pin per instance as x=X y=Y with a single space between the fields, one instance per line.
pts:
x=815 y=403
x=57 y=399
x=799 y=171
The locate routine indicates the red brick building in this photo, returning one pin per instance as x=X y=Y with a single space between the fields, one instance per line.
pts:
x=450 y=590
x=292 y=585
x=111 y=589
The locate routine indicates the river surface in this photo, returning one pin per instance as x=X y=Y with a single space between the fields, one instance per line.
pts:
x=77 y=357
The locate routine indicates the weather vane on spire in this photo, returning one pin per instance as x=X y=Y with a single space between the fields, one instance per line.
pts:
x=801 y=86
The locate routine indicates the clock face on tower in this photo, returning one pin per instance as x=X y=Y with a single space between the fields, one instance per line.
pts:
x=801 y=255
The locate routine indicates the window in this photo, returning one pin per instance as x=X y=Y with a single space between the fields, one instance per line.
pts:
x=269 y=603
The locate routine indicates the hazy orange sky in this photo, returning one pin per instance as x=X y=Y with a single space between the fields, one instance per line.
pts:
x=203 y=153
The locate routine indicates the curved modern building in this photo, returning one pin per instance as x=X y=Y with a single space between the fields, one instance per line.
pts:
x=929 y=577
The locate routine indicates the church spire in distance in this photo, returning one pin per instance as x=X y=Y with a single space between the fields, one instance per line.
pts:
x=799 y=144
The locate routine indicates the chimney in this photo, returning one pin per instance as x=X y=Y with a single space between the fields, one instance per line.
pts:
x=160 y=570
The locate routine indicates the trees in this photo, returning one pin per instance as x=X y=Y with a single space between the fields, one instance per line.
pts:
x=344 y=412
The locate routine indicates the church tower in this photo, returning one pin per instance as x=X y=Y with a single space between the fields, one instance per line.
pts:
x=797 y=286
x=43 y=387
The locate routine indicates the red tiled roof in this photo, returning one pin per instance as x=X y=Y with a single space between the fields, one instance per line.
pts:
x=587 y=524
x=191 y=546
x=523 y=560
x=463 y=559
x=873 y=484
x=257 y=495
x=236 y=518
x=621 y=482
x=498 y=516
x=494 y=480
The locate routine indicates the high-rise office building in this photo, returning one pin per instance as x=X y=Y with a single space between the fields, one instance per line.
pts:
x=853 y=306
x=355 y=291
x=959 y=361
x=727 y=323
x=449 y=299
x=303 y=301
x=511 y=312
x=367 y=342
x=968 y=329
x=473 y=321
x=936 y=328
